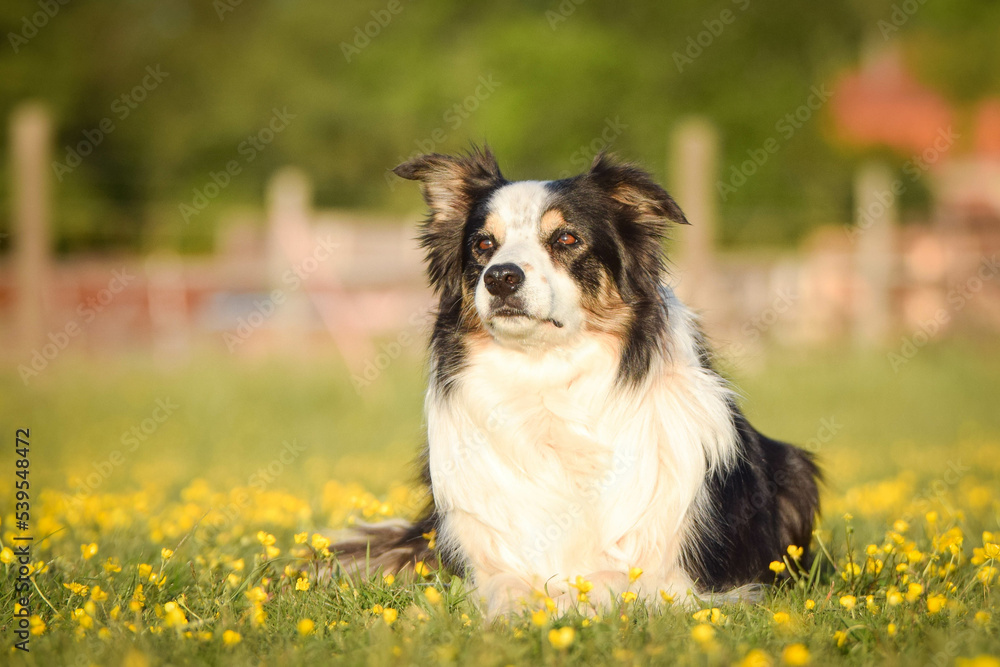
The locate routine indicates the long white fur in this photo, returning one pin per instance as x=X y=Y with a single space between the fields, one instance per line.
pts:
x=544 y=469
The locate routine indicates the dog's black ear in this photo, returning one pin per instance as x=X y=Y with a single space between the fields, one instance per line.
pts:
x=633 y=187
x=452 y=184
x=645 y=212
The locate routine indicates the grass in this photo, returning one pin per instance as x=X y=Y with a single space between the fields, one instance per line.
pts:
x=255 y=452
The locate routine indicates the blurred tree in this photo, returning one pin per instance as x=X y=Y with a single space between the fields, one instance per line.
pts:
x=358 y=86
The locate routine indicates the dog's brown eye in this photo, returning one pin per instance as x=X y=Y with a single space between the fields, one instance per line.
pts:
x=485 y=244
x=566 y=239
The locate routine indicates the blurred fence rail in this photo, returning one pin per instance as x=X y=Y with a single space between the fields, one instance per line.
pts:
x=297 y=277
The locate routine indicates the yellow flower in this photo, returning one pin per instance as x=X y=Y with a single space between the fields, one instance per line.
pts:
x=891 y=629
x=256 y=594
x=913 y=592
x=301 y=584
x=756 y=658
x=562 y=638
x=781 y=618
x=145 y=571
x=420 y=567
x=389 y=579
x=138 y=600
x=777 y=566
x=931 y=517
x=84 y=619
x=629 y=596
x=703 y=633
x=319 y=543
x=634 y=573
x=841 y=637
x=986 y=574
x=97 y=595
x=667 y=597
x=851 y=570
x=77 y=589
x=848 y=602
x=978 y=661
x=305 y=627
x=582 y=585
x=431 y=538
x=713 y=615
x=6 y=556
x=390 y=615
x=795 y=655
x=935 y=603
x=795 y=552
x=810 y=604
x=982 y=617
x=265 y=538
x=432 y=595
x=37 y=625
x=900 y=526
x=112 y=566
x=231 y=637
x=539 y=618
x=173 y=615
x=378 y=610
x=301 y=538
x=550 y=604
x=272 y=552
x=166 y=554
x=88 y=550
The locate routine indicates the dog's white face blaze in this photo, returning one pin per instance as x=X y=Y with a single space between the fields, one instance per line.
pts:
x=548 y=295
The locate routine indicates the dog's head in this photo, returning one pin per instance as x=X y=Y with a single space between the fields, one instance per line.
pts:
x=539 y=262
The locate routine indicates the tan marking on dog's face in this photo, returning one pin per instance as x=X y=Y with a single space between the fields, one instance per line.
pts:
x=606 y=312
x=551 y=221
x=495 y=227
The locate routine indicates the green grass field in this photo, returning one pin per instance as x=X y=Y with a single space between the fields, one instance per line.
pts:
x=174 y=511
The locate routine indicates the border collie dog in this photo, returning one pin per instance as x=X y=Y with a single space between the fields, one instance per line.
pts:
x=575 y=424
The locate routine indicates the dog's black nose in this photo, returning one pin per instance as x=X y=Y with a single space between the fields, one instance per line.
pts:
x=503 y=280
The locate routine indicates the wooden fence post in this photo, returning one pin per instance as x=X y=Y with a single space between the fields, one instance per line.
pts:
x=31 y=136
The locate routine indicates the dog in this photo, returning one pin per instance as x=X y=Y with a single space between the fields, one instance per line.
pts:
x=576 y=426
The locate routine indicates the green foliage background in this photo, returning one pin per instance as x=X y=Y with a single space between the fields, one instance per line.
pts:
x=559 y=81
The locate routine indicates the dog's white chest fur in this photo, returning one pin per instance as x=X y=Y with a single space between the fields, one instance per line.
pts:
x=543 y=469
